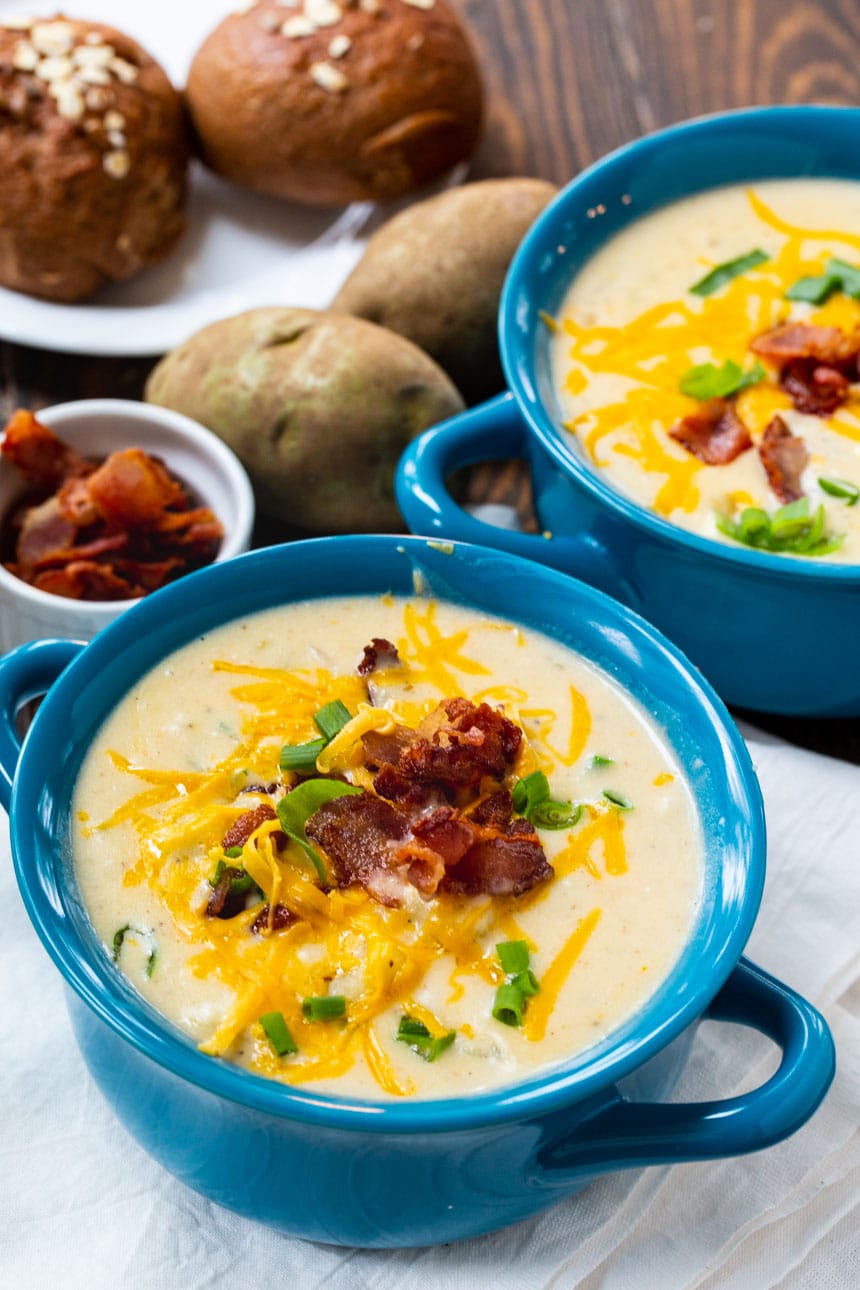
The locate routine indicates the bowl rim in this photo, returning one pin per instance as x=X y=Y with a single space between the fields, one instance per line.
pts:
x=93 y=977
x=237 y=525
x=519 y=365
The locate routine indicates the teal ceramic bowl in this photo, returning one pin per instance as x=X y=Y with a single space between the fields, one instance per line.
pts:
x=402 y=1172
x=770 y=632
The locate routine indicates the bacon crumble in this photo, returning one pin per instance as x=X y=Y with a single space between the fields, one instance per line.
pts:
x=88 y=531
x=714 y=433
x=784 y=457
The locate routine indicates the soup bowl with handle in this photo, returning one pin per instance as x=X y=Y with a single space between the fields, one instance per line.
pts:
x=400 y=1172
x=770 y=632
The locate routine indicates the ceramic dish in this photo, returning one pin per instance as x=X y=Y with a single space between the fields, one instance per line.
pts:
x=96 y=427
x=770 y=632
x=239 y=251
x=398 y=1173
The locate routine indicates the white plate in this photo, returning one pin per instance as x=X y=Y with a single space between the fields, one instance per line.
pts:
x=239 y=250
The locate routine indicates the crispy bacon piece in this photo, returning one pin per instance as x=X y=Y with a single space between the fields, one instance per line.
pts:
x=247 y=823
x=714 y=433
x=373 y=844
x=44 y=528
x=506 y=865
x=497 y=810
x=360 y=834
x=84 y=580
x=279 y=918
x=380 y=653
x=814 y=387
x=133 y=490
x=793 y=340
x=66 y=536
x=39 y=454
x=223 y=903
x=784 y=457
x=384 y=750
x=437 y=841
x=460 y=744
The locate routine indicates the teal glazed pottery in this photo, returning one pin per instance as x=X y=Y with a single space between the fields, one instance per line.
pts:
x=770 y=632
x=400 y=1172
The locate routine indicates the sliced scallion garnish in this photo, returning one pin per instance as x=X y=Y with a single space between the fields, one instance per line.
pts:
x=513 y=956
x=527 y=983
x=722 y=274
x=790 y=529
x=278 y=1034
x=598 y=760
x=332 y=718
x=555 y=815
x=418 y=1037
x=301 y=757
x=841 y=488
x=509 y=1005
x=233 y=853
x=707 y=381
x=324 y=1007
x=814 y=290
x=618 y=799
x=848 y=275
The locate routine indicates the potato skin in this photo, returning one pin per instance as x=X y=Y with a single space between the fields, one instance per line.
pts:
x=318 y=406
x=434 y=274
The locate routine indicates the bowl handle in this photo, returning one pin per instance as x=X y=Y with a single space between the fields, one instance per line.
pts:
x=25 y=673
x=624 y=1134
x=489 y=432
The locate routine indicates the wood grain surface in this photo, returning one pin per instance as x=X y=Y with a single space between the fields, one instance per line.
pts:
x=567 y=81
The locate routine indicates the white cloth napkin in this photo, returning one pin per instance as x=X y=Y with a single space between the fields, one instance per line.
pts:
x=81 y=1205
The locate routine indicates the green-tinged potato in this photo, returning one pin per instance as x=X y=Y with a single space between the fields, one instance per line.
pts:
x=434 y=274
x=318 y=407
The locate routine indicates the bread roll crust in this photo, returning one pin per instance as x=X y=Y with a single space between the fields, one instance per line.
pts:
x=378 y=101
x=93 y=153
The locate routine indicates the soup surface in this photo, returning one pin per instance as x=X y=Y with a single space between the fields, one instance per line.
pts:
x=492 y=789
x=707 y=360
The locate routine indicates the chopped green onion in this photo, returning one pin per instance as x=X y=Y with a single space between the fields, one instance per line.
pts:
x=278 y=1034
x=791 y=520
x=555 y=815
x=791 y=529
x=324 y=1007
x=527 y=983
x=509 y=1005
x=530 y=791
x=233 y=853
x=300 y=804
x=513 y=956
x=724 y=273
x=418 y=1037
x=814 y=290
x=598 y=760
x=301 y=757
x=332 y=718
x=118 y=938
x=842 y=488
x=707 y=381
x=618 y=799
x=848 y=275
x=754 y=524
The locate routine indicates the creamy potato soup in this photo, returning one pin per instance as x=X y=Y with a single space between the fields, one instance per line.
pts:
x=706 y=360
x=391 y=847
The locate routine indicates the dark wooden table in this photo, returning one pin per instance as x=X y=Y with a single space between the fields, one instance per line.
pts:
x=567 y=81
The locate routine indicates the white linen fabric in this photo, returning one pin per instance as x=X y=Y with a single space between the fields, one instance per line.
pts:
x=81 y=1205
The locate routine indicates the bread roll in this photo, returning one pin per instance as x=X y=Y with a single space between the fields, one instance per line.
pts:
x=93 y=154
x=332 y=101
